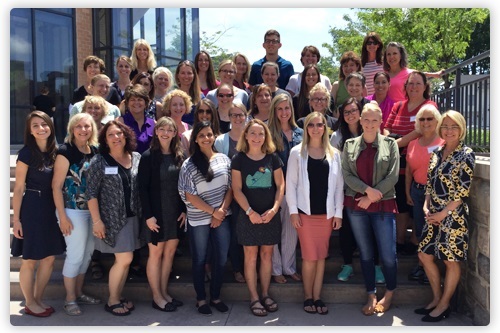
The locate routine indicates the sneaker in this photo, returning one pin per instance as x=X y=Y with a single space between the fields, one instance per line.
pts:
x=379 y=276
x=345 y=273
x=416 y=273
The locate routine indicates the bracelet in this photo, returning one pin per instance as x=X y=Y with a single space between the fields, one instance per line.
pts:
x=213 y=212
x=94 y=223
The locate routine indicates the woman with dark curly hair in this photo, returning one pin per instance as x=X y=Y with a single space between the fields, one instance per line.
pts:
x=115 y=208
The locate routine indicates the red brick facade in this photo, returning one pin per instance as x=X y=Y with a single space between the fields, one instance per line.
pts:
x=84 y=45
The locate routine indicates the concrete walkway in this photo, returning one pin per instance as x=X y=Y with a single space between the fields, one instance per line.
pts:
x=289 y=314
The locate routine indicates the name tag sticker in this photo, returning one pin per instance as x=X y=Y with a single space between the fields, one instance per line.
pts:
x=412 y=118
x=111 y=170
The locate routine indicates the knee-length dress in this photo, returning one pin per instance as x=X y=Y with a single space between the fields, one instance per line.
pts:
x=42 y=236
x=158 y=177
x=259 y=188
x=449 y=180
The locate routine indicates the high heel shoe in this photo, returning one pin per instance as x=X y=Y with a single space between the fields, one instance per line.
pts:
x=424 y=311
x=430 y=319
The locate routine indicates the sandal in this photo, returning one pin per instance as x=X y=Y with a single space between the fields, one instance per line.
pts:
x=127 y=303
x=296 y=277
x=86 y=299
x=279 y=279
x=270 y=306
x=111 y=309
x=308 y=303
x=320 y=307
x=256 y=310
x=72 y=308
x=96 y=270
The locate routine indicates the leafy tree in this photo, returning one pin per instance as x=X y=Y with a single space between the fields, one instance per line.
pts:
x=208 y=43
x=435 y=38
x=480 y=42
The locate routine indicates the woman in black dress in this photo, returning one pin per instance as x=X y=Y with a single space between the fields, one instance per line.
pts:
x=258 y=186
x=163 y=209
x=37 y=237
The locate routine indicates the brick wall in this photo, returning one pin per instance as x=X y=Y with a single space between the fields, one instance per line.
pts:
x=84 y=44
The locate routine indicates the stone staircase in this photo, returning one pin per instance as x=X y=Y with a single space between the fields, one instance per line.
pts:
x=334 y=291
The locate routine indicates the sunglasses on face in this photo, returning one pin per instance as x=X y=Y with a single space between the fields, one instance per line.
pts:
x=424 y=119
x=371 y=43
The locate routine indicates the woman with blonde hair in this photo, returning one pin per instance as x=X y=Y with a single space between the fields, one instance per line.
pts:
x=446 y=234
x=143 y=58
x=175 y=105
x=68 y=188
x=370 y=166
x=320 y=100
x=227 y=73
x=97 y=107
x=286 y=134
x=243 y=67
x=258 y=187
x=123 y=69
x=315 y=204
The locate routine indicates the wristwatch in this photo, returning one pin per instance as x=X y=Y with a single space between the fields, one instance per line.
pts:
x=248 y=211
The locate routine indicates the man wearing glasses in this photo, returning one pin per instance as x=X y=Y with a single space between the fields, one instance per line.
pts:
x=272 y=44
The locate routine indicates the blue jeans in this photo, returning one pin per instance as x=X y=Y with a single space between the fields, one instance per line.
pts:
x=199 y=237
x=370 y=229
x=418 y=197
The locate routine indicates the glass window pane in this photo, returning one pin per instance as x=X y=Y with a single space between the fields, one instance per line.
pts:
x=189 y=34
x=63 y=10
x=121 y=35
x=172 y=38
x=55 y=65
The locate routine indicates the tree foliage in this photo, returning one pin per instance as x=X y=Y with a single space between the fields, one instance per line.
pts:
x=208 y=43
x=435 y=38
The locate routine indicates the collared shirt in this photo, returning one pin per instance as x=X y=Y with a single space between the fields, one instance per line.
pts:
x=286 y=71
x=144 y=135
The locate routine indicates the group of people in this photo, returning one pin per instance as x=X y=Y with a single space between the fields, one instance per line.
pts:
x=246 y=181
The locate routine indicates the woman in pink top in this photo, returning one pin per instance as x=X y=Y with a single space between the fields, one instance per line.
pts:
x=401 y=126
x=417 y=164
x=395 y=64
x=382 y=82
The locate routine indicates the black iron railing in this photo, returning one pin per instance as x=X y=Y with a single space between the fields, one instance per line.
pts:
x=470 y=95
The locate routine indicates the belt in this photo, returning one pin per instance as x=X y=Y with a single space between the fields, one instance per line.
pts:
x=419 y=186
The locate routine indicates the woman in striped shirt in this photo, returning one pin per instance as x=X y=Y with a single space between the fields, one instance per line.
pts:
x=205 y=187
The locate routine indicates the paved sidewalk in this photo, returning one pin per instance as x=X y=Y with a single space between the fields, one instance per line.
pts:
x=289 y=314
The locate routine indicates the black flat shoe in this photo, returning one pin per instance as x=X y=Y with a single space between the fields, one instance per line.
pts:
x=423 y=311
x=204 y=309
x=430 y=319
x=221 y=307
x=176 y=302
x=169 y=307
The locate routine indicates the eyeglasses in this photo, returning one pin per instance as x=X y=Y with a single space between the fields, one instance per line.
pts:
x=204 y=111
x=450 y=128
x=322 y=100
x=227 y=71
x=225 y=95
x=237 y=115
x=349 y=112
x=424 y=119
x=272 y=41
x=166 y=130
x=371 y=43
x=317 y=125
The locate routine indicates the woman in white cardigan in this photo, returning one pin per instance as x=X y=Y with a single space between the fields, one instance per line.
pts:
x=315 y=205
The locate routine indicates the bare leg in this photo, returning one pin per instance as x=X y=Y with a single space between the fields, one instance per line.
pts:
x=308 y=277
x=266 y=253
x=318 y=279
x=153 y=269
x=166 y=266
x=70 y=286
x=451 y=280
x=251 y=270
x=80 y=279
x=434 y=276
x=42 y=278
x=117 y=277
x=26 y=281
